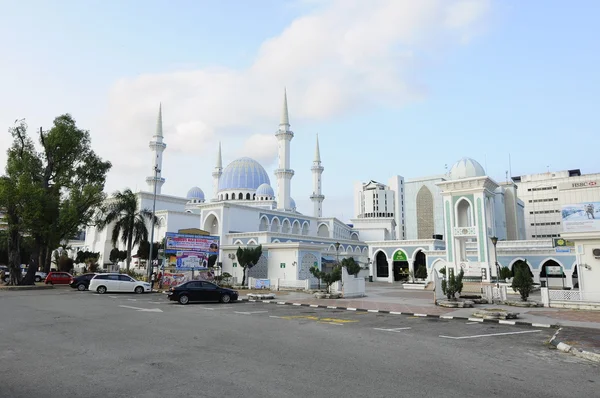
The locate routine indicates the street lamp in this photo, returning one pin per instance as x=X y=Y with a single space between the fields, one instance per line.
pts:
x=151 y=265
x=494 y=240
x=337 y=255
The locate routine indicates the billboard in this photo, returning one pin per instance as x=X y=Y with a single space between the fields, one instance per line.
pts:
x=190 y=252
x=581 y=217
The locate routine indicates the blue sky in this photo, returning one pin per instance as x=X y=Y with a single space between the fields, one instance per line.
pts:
x=390 y=89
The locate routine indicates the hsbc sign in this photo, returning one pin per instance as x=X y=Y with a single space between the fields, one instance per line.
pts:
x=585 y=184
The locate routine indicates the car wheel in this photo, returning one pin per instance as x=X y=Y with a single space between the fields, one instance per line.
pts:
x=38 y=279
x=183 y=299
x=101 y=289
x=225 y=298
x=139 y=290
x=81 y=287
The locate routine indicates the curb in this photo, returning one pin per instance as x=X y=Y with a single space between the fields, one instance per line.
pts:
x=460 y=318
x=590 y=356
x=26 y=287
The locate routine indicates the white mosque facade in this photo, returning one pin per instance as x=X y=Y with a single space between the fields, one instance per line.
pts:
x=439 y=221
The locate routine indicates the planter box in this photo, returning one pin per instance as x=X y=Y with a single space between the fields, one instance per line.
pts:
x=414 y=286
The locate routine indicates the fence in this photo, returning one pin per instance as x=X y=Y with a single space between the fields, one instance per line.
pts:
x=570 y=299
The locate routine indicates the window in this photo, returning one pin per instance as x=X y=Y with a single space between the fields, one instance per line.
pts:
x=207 y=285
x=125 y=278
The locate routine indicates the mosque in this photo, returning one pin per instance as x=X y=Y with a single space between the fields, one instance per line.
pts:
x=461 y=219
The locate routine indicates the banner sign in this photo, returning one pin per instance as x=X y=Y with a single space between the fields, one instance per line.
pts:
x=262 y=284
x=553 y=270
x=581 y=217
x=175 y=279
x=190 y=252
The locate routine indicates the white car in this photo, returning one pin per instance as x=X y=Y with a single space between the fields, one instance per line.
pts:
x=114 y=282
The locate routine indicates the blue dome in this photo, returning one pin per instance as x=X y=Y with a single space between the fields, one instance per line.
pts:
x=243 y=173
x=292 y=203
x=265 y=190
x=195 y=193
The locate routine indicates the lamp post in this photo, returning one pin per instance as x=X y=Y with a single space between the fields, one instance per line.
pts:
x=494 y=240
x=150 y=261
x=337 y=254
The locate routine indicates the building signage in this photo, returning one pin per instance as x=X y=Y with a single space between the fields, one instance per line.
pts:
x=553 y=270
x=190 y=252
x=560 y=242
x=563 y=250
x=581 y=217
x=582 y=184
x=400 y=256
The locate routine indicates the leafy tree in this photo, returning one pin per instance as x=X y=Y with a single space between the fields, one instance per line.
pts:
x=129 y=222
x=332 y=277
x=117 y=255
x=421 y=272
x=523 y=281
x=65 y=263
x=505 y=273
x=316 y=272
x=144 y=250
x=352 y=267
x=248 y=257
x=49 y=195
x=453 y=285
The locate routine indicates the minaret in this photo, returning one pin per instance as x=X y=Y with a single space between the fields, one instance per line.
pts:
x=317 y=170
x=217 y=175
x=157 y=146
x=283 y=173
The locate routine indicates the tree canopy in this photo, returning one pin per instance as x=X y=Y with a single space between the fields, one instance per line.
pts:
x=49 y=195
x=248 y=257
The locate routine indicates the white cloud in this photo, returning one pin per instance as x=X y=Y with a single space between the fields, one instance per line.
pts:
x=342 y=55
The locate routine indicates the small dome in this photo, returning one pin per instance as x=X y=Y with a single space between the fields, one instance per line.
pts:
x=466 y=168
x=195 y=193
x=292 y=203
x=243 y=173
x=265 y=190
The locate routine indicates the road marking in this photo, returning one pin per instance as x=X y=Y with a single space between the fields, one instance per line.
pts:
x=332 y=323
x=142 y=309
x=132 y=299
x=446 y=317
x=395 y=313
x=296 y=304
x=331 y=307
x=420 y=315
x=392 y=330
x=250 y=312
x=504 y=322
x=351 y=309
x=472 y=323
x=372 y=310
x=315 y=318
x=314 y=305
x=275 y=316
x=281 y=302
x=541 y=325
x=488 y=335
x=476 y=319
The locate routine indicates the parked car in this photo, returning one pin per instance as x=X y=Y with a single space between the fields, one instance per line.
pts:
x=114 y=282
x=82 y=282
x=58 y=278
x=6 y=273
x=201 y=291
x=39 y=276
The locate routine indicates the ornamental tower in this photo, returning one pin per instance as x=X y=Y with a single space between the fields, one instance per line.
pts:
x=217 y=175
x=317 y=170
x=283 y=173
x=157 y=146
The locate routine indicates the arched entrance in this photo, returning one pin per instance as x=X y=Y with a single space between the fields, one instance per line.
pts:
x=552 y=274
x=381 y=265
x=420 y=260
x=400 y=262
x=211 y=224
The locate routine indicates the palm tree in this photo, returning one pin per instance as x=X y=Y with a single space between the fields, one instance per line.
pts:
x=130 y=223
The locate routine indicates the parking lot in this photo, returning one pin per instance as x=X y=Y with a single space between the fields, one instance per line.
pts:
x=119 y=342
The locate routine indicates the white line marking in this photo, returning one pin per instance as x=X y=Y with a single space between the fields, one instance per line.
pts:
x=420 y=314
x=332 y=323
x=314 y=305
x=331 y=307
x=372 y=310
x=395 y=313
x=392 y=330
x=132 y=299
x=142 y=309
x=351 y=309
x=446 y=317
x=275 y=316
x=472 y=323
x=504 y=322
x=487 y=335
x=281 y=302
x=476 y=319
x=296 y=304
x=541 y=325
x=250 y=312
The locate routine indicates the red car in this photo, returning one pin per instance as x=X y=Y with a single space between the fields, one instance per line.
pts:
x=58 y=278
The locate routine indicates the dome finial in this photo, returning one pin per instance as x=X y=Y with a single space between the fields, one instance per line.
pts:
x=285 y=120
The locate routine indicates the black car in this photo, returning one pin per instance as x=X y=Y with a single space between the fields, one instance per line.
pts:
x=201 y=291
x=82 y=282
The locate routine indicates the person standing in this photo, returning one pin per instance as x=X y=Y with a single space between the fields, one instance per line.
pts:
x=152 y=280
x=160 y=275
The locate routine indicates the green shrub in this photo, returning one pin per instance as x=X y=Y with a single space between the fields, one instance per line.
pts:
x=453 y=285
x=505 y=273
x=421 y=272
x=522 y=282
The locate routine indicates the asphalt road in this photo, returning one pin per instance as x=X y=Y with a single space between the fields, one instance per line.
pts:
x=61 y=342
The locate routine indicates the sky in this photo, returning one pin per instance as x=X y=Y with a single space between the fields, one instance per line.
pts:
x=391 y=87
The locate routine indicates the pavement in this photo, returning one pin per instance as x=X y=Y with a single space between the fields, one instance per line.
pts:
x=125 y=345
